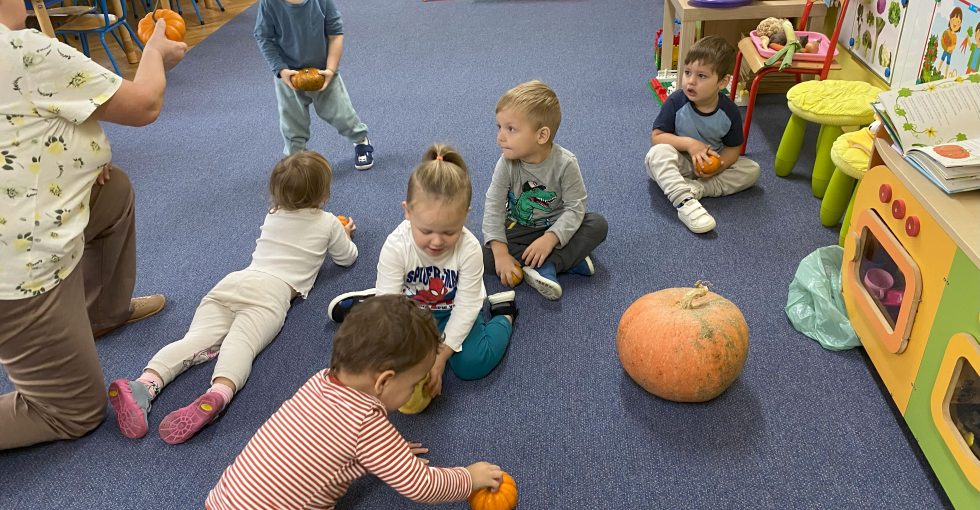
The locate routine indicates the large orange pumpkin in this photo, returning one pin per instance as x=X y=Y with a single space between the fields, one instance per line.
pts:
x=308 y=79
x=175 y=25
x=504 y=498
x=685 y=345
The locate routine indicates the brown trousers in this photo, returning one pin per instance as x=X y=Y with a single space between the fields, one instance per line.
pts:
x=46 y=343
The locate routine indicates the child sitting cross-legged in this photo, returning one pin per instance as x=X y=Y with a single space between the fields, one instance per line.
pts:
x=696 y=123
x=335 y=428
x=535 y=219
x=244 y=312
x=435 y=260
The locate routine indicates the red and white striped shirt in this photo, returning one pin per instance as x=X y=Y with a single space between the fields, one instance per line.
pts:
x=322 y=439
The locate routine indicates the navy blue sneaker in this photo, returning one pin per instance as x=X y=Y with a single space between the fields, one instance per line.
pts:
x=344 y=303
x=544 y=280
x=584 y=268
x=363 y=156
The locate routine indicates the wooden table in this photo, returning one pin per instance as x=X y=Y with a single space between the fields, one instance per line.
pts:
x=115 y=7
x=759 y=9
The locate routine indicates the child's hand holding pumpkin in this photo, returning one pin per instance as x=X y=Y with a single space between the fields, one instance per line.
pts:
x=508 y=269
x=286 y=75
x=328 y=75
x=485 y=475
x=434 y=385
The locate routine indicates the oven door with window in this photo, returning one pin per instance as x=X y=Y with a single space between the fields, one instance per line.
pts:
x=885 y=282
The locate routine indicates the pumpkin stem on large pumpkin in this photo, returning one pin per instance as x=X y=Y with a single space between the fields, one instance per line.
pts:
x=700 y=289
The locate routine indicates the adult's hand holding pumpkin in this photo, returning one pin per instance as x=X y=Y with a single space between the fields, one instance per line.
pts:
x=171 y=51
x=485 y=475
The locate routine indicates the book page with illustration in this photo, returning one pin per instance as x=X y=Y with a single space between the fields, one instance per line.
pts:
x=935 y=113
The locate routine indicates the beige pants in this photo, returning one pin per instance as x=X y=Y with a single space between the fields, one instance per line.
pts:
x=241 y=315
x=673 y=171
x=46 y=343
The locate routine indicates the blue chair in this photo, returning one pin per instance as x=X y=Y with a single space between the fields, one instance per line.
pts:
x=148 y=6
x=196 y=10
x=101 y=23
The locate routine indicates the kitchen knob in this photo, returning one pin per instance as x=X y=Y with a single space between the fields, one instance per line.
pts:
x=885 y=193
x=898 y=209
x=912 y=226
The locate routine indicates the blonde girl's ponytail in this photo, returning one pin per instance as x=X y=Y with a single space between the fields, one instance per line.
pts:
x=441 y=175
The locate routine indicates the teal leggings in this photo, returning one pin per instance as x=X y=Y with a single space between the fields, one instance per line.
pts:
x=483 y=348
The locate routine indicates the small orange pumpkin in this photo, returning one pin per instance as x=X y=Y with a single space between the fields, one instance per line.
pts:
x=518 y=277
x=175 y=25
x=504 y=498
x=308 y=79
x=344 y=220
x=712 y=166
x=685 y=345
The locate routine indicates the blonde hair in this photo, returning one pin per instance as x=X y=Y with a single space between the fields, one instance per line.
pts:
x=441 y=175
x=536 y=100
x=300 y=181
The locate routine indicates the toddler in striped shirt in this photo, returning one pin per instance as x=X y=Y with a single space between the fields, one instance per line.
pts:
x=335 y=428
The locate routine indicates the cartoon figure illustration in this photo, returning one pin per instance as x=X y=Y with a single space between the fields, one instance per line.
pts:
x=436 y=294
x=533 y=196
x=973 y=61
x=948 y=42
x=202 y=356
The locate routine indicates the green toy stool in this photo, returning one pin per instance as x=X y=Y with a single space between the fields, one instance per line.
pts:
x=850 y=155
x=833 y=104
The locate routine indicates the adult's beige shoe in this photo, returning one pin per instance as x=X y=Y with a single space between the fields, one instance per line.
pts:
x=139 y=309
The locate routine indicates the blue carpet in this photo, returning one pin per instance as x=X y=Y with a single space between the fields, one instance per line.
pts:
x=801 y=428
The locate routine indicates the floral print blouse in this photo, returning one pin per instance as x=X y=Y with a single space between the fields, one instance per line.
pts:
x=51 y=152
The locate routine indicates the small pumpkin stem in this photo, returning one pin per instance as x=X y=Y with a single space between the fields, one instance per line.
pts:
x=700 y=289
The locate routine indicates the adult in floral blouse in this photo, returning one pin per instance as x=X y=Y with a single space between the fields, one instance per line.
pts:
x=67 y=230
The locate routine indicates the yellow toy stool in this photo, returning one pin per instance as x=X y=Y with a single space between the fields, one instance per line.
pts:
x=850 y=154
x=831 y=103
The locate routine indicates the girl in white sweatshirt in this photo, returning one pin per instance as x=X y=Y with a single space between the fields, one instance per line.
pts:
x=432 y=258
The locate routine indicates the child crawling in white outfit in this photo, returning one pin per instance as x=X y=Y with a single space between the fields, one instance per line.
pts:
x=244 y=312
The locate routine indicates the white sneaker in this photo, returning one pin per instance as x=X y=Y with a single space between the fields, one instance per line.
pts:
x=501 y=297
x=695 y=217
x=547 y=287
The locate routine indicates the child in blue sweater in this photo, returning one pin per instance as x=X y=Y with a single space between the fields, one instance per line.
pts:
x=298 y=34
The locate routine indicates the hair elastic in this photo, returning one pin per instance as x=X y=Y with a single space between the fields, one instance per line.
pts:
x=439 y=158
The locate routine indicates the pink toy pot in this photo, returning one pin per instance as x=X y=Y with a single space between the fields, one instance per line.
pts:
x=878 y=282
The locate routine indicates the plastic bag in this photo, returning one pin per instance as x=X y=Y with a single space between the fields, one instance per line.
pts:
x=815 y=305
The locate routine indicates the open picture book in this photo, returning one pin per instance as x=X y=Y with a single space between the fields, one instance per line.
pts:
x=936 y=127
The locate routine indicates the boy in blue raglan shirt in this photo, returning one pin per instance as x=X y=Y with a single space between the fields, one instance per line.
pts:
x=698 y=121
x=297 y=34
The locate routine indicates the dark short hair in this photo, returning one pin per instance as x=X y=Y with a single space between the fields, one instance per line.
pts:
x=715 y=52
x=300 y=181
x=387 y=332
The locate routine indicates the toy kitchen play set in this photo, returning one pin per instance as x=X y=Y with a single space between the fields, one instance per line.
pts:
x=911 y=285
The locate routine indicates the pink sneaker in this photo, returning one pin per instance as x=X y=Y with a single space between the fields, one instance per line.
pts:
x=131 y=401
x=182 y=424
